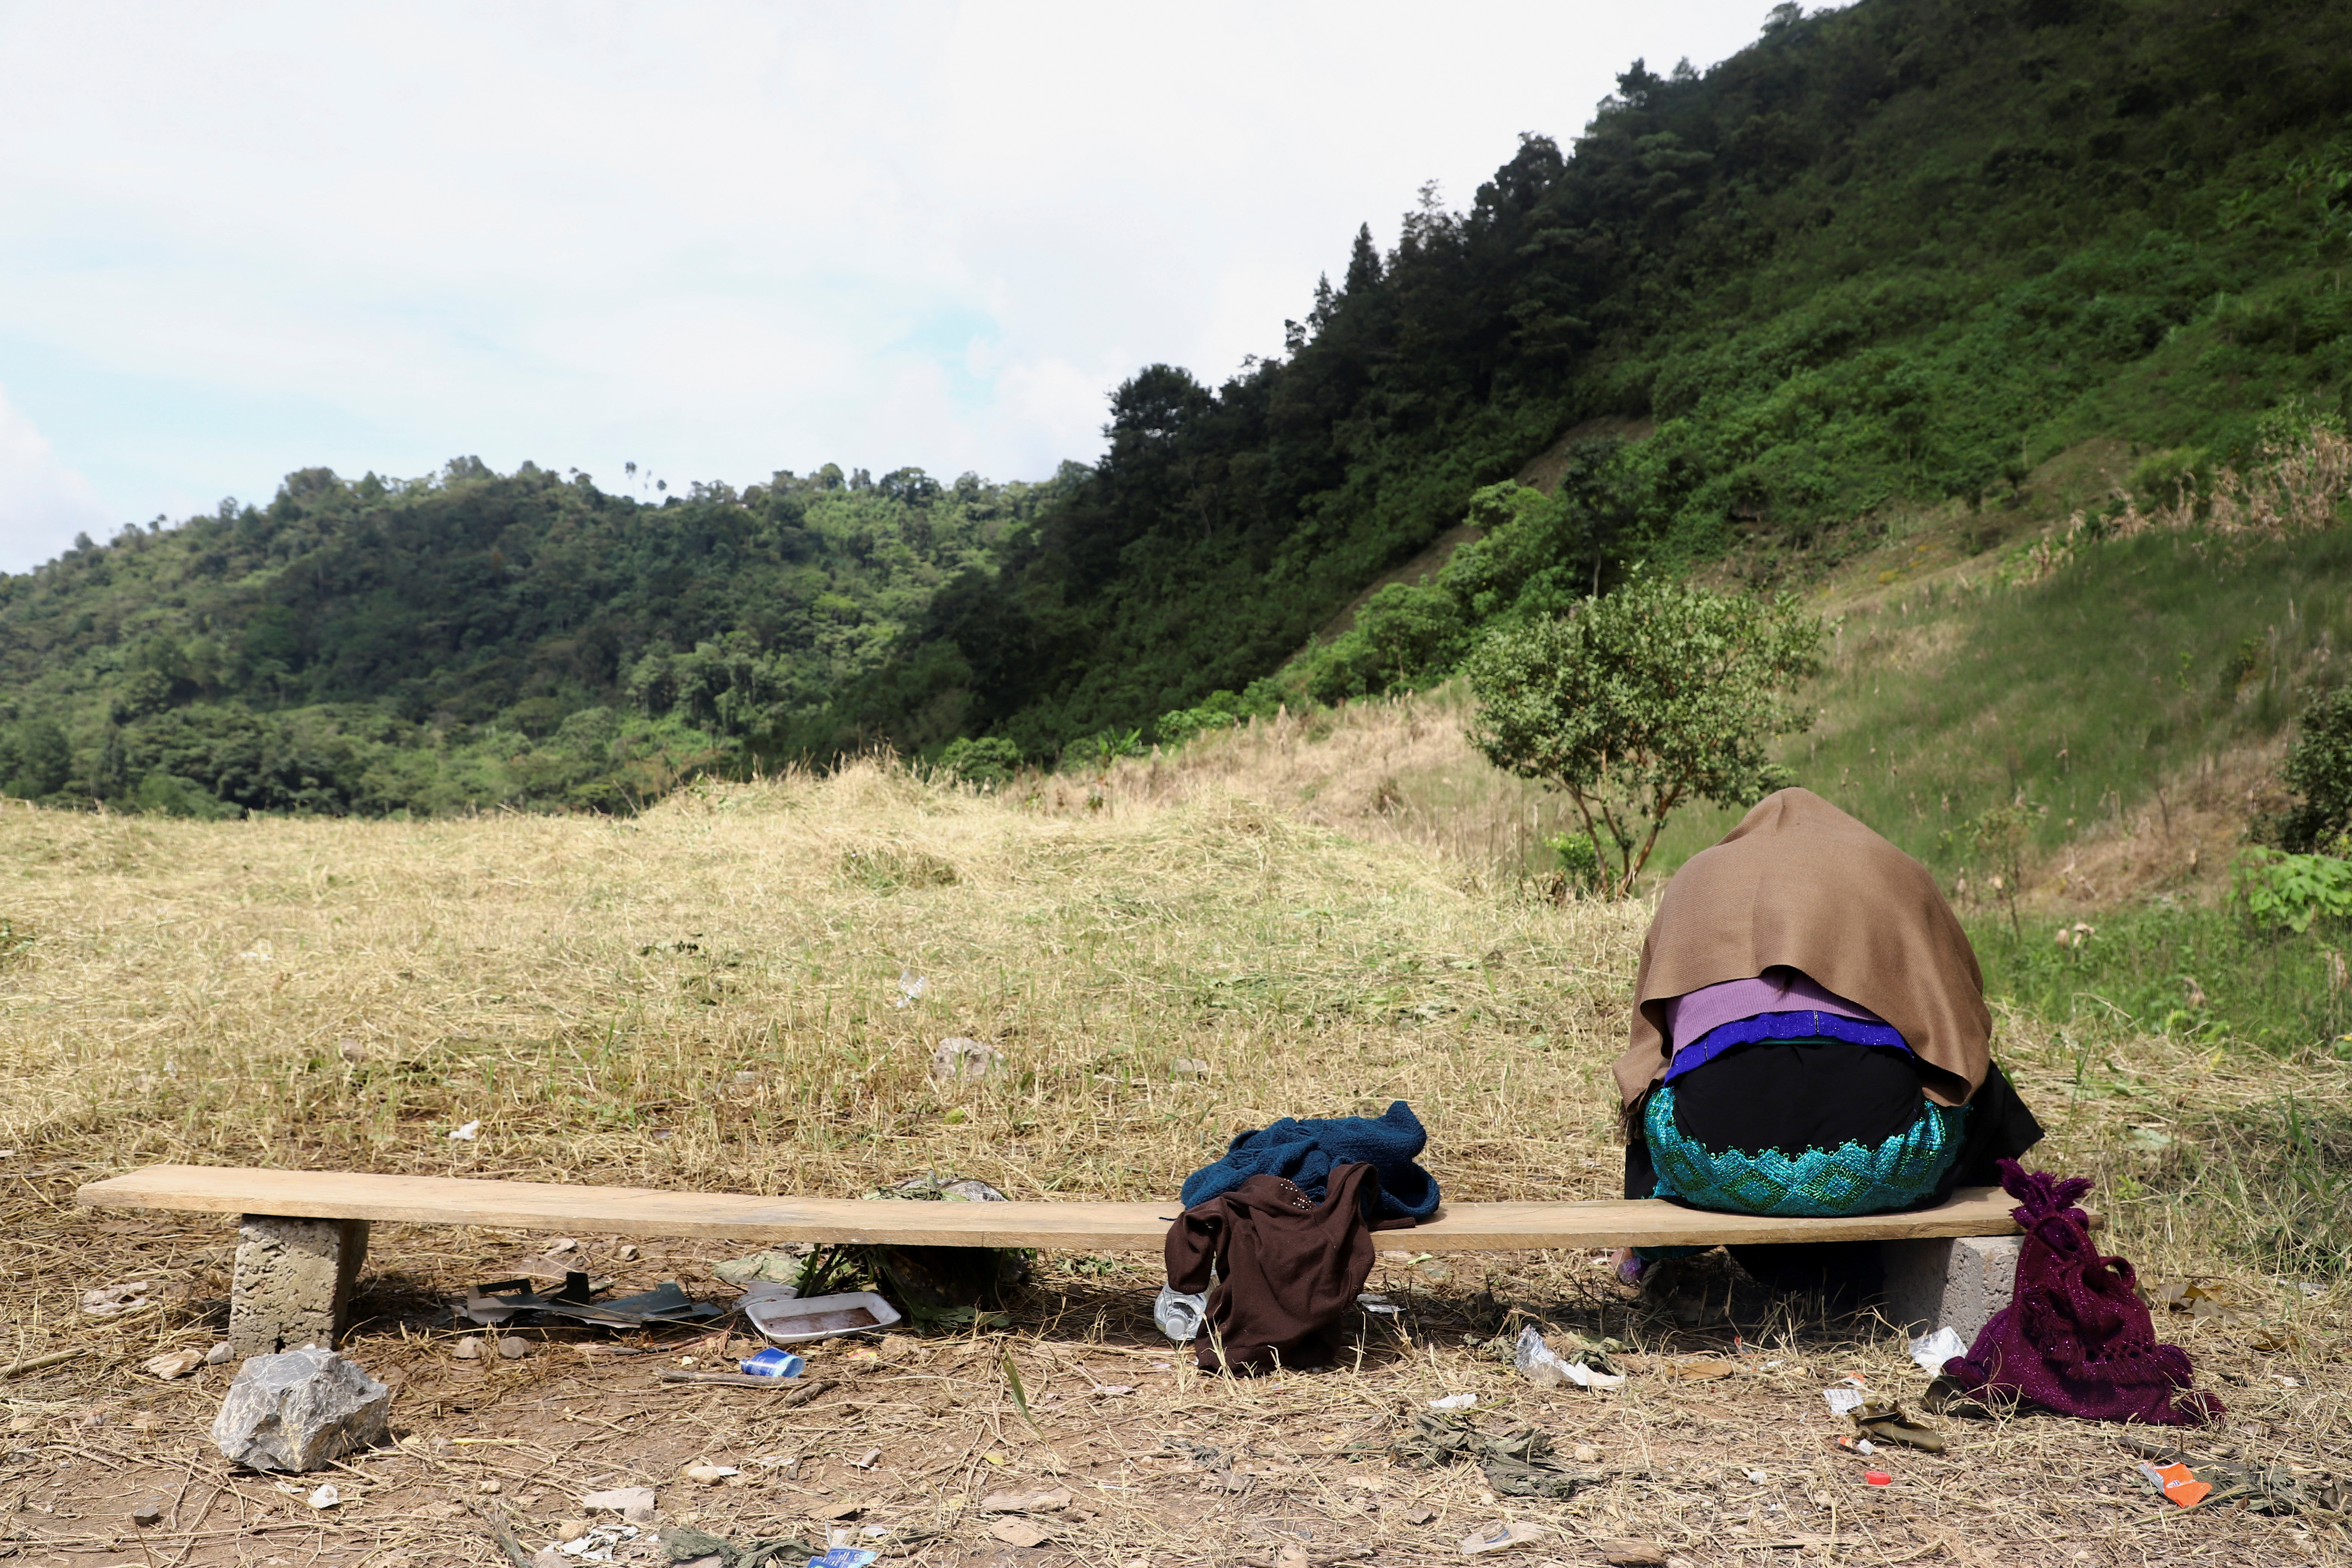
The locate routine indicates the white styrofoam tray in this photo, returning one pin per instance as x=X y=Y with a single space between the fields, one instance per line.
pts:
x=797 y=1320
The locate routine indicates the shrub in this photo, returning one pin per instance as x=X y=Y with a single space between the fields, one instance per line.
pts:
x=2293 y=890
x=169 y=794
x=1581 y=869
x=2319 y=769
x=1221 y=710
x=35 y=760
x=1656 y=695
x=990 y=759
x=1100 y=750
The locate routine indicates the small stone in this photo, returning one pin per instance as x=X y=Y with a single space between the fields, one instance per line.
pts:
x=628 y=1252
x=1633 y=1554
x=571 y=1529
x=1586 y=1454
x=172 y=1365
x=849 y=1507
x=111 y=1300
x=548 y=1557
x=564 y=1244
x=299 y=1409
x=513 y=1348
x=468 y=1349
x=1016 y=1531
x=220 y=1354
x=351 y=1050
x=147 y=1512
x=710 y=1475
x=960 y=1060
x=327 y=1496
x=1027 y=1502
x=1419 y=1515
x=1502 y=1535
x=635 y=1504
x=493 y=1486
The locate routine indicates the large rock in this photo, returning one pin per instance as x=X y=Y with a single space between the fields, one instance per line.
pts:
x=298 y=1410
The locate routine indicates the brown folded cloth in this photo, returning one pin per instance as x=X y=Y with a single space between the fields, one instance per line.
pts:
x=1288 y=1267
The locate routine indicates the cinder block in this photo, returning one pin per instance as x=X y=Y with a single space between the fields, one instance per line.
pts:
x=294 y=1283
x=1957 y=1283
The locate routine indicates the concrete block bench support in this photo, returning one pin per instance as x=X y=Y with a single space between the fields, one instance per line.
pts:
x=294 y=1281
x=302 y=1234
x=1957 y=1282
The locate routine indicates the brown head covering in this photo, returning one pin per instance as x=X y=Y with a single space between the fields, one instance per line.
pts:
x=1800 y=883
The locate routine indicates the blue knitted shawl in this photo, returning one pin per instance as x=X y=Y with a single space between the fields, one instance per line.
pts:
x=1305 y=1152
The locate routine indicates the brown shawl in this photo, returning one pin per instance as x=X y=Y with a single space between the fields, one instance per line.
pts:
x=1800 y=883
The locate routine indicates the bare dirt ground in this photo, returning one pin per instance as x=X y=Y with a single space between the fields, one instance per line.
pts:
x=1719 y=1446
x=711 y=996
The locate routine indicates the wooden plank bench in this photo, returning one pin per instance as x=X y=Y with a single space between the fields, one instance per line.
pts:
x=303 y=1234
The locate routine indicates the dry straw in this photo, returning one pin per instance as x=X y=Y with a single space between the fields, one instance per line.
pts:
x=743 y=989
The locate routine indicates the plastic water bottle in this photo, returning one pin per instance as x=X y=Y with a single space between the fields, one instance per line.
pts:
x=772 y=1362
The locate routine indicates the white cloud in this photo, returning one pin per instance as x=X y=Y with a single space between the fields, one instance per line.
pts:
x=43 y=503
x=716 y=237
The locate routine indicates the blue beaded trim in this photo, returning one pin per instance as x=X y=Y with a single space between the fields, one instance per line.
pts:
x=1816 y=1183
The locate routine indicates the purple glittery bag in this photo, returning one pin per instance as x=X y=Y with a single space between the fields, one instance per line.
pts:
x=2076 y=1338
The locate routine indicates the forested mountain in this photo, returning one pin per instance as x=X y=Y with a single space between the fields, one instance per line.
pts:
x=1904 y=250
x=472 y=638
x=1887 y=256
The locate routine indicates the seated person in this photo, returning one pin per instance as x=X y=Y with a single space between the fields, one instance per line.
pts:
x=1810 y=1038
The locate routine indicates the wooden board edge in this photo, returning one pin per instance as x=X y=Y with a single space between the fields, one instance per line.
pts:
x=122 y=1192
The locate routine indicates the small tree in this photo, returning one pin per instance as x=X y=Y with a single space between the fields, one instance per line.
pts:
x=2318 y=769
x=1638 y=702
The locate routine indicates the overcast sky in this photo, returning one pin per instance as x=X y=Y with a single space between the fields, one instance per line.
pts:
x=716 y=239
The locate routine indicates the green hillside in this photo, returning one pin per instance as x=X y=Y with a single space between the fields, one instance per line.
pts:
x=1908 y=261
x=472 y=639
x=1886 y=257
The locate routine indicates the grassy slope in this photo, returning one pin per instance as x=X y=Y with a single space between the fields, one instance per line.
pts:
x=2141 y=693
x=2142 y=682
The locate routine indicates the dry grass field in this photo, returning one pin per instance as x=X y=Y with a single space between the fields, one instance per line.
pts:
x=742 y=990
